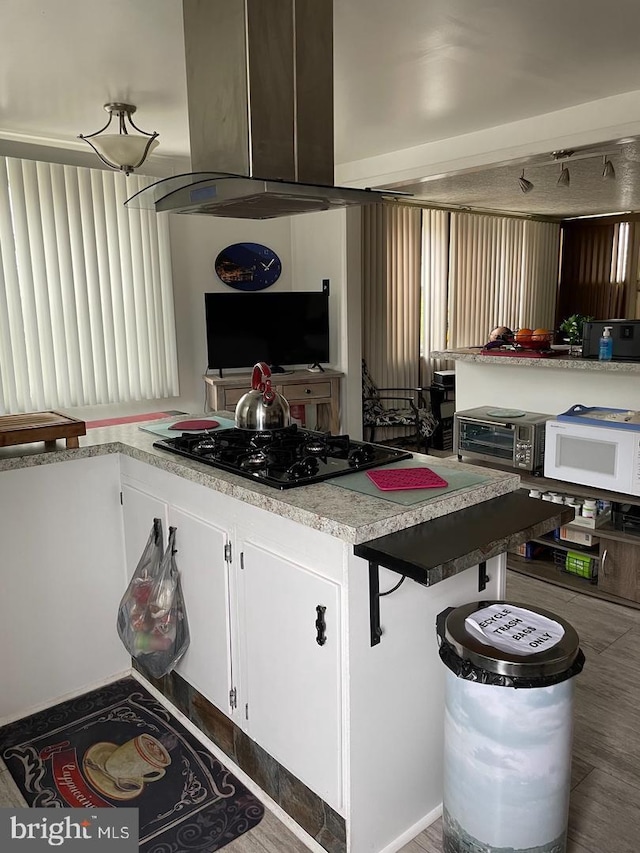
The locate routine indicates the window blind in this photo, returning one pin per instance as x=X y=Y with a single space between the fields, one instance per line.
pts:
x=391 y=294
x=391 y=297
x=86 y=299
x=502 y=272
x=435 y=291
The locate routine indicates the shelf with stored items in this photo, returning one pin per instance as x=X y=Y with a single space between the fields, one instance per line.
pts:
x=617 y=579
x=616 y=557
x=617 y=553
x=567 y=558
x=551 y=542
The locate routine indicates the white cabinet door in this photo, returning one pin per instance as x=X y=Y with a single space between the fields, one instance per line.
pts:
x=61 y=580
x=139 y=510
x=204 y=574
x=291 y=682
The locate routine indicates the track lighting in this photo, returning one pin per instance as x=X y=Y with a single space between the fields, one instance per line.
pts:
x=561 y=157
x=525 y=185
x=608 y=172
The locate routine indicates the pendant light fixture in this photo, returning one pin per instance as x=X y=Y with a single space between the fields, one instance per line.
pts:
x=123 y=150
x=525 y=185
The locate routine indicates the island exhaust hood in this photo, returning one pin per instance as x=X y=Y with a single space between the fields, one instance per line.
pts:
x=260 y=103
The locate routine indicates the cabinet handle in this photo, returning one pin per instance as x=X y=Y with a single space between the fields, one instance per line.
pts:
x=307 y=390
x=321 y=625
x=605 y=553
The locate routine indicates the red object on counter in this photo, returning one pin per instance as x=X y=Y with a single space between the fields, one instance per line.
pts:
x=395 y=479
x=523 y=353
x=197 y=425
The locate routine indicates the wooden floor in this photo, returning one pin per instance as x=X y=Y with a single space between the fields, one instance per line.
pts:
x=604 y=815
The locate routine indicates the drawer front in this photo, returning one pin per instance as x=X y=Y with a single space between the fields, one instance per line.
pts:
x=302 y=391
x=232 y=395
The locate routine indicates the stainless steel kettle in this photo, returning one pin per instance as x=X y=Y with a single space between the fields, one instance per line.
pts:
x=262 y=408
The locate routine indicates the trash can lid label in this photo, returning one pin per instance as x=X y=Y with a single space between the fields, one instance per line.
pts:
x=514 y=629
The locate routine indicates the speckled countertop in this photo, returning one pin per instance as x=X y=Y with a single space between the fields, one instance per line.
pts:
x=348 y=515
x=554 y=363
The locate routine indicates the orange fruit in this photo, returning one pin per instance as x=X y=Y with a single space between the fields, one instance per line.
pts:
x=540 y=334
x=523 y=333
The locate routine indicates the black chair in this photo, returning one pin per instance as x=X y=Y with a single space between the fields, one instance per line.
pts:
x=411 y=409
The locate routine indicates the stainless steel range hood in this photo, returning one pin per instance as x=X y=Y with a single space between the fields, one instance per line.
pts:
x=260 y=101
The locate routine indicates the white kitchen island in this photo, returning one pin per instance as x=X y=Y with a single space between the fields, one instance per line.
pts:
x=344 y=734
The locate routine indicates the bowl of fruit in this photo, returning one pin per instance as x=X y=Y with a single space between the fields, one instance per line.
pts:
x=533 y=339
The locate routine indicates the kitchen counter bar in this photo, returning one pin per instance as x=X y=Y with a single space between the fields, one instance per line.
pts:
x=561 y=362
x=343 y=513
x=429 y=553
x=543 y=385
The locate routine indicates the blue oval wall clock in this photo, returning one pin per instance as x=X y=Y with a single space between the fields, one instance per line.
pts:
x=248 y=266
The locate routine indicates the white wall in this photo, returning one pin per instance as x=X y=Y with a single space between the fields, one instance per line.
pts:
x=614 y=117
x=195 y=243
x=352 y=326
x=317 y=254
x=312 y=247
x=549 y=390
x=158 y=166
x=322 y=247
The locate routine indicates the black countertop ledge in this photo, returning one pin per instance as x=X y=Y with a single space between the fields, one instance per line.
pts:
x=435 y=550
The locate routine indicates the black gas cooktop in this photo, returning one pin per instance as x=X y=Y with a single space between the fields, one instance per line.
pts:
x=283 y=458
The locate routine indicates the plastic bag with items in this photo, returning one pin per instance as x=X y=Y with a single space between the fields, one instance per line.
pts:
x=152 y=620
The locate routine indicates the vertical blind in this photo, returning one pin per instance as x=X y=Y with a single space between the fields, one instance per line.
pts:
x=86 y=298
x=596 y=269
x=391 y=294
x=435 y=280
x=502 y=272
x=435 y=291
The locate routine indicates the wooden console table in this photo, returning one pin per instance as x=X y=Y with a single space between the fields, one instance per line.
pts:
x=300 y=387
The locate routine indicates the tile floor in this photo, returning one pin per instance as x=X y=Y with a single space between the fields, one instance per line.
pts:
x=604 y=814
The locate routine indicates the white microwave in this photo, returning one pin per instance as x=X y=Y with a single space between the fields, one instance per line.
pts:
x=600 y=456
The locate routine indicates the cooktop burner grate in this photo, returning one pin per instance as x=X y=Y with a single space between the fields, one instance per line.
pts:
x=283 y=458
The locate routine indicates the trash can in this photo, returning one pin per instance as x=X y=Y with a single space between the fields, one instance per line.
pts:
x=508 y=726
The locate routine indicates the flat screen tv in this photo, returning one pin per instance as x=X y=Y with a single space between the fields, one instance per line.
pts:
x=282 y=329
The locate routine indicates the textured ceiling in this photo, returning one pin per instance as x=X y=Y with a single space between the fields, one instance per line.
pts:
x=588 y=193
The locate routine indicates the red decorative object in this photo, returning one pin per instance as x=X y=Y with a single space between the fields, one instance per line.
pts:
x=406 y=478
x=198 y=425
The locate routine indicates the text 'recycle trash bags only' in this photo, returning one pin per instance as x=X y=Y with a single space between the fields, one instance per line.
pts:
x=152 y=620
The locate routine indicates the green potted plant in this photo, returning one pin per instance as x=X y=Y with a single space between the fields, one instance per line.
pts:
x=572 y=328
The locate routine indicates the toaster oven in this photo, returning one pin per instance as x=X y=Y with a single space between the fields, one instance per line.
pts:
x=508 y=437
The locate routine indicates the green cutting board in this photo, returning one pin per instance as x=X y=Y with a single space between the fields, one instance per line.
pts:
x=359 y=482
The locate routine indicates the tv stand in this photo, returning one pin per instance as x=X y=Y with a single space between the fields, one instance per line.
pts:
x=276 y=368
x=315 y=368
x=299 y=387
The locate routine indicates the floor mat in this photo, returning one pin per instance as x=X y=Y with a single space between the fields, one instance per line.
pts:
x=118 y=746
